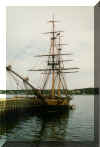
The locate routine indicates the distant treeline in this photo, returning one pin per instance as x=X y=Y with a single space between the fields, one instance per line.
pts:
x=74 y=91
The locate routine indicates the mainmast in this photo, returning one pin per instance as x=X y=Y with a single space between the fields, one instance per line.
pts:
x=60 y=65
x=59 y=60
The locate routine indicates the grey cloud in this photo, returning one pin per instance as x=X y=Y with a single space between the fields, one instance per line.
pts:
x=24 y=39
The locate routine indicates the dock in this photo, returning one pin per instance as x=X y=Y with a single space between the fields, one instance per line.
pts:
x=18 y=104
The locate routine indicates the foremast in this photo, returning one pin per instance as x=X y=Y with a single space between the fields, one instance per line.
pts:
x=56 y=58
x=53 y=57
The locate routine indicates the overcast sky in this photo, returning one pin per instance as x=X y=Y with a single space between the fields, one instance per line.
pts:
x=25 y=26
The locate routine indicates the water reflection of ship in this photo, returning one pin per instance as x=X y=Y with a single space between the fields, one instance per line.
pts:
x=2 y=127
x=38 y=128
x=54 y=128
x=55 y=71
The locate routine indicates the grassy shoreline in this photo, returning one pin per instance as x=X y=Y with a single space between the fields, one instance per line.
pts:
x=82 y=91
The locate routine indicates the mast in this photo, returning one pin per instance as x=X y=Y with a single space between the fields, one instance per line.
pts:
x=53 y=57
x=59 y=60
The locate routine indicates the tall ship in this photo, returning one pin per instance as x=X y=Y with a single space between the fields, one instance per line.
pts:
x=57 y=96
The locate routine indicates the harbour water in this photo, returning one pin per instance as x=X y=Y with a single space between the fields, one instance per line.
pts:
x=75 y=125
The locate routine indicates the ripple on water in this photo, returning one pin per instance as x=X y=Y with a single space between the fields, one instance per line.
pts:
x=78 y=125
